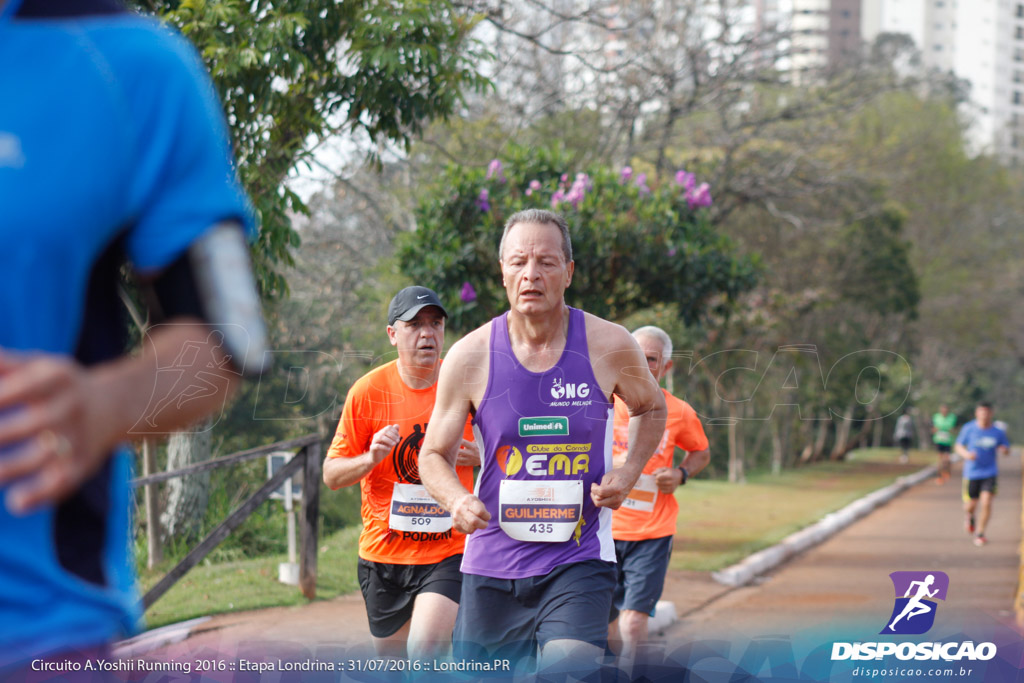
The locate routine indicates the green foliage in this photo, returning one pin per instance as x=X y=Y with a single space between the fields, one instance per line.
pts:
x=634 y=247
x=290 y=72
x=874 y=260
x=246 y=583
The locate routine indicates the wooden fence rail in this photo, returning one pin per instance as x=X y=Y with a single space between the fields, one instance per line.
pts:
x=308 y=458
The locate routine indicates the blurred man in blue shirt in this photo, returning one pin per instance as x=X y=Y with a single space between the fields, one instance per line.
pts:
x=979 y=442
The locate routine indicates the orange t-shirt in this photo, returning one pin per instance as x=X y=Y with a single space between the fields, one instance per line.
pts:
x=683 y=429
x=378 y=399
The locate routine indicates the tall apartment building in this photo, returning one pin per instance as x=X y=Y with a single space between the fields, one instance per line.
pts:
x=823 y=32
x=981 y=41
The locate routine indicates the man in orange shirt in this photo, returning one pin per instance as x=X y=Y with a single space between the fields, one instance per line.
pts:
x=644 y=526
x=409 y=553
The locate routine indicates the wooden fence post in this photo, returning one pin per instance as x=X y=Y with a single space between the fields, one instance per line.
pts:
x=312 y=475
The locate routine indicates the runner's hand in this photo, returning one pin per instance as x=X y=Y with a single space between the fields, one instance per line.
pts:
x=384 y=442
x=53 y=421
x=469 y=514
x=972 y=455
x=613 y=489
x=667 y=478
x=468 y=455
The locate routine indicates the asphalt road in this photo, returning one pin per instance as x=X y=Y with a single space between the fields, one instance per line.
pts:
x=841 y=585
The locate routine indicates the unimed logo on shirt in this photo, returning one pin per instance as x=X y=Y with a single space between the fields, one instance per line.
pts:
x=544 y=426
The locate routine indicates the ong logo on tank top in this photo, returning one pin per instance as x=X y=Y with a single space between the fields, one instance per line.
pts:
x=569 y=393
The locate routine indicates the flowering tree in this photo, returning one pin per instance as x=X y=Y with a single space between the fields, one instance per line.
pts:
x=636 y=242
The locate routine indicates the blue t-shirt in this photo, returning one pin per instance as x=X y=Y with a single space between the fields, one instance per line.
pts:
x=112 y=147
x=984 y=442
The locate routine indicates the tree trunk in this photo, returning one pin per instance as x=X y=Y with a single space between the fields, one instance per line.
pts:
x=807 y=437
x=736 y=472
x=819 y=443
x=839 y=450
x=777 y=448
x=187 y=497
x=762 y=433
x=876 y=433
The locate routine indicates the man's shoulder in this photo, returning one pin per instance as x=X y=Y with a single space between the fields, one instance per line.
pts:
x=605 y=333
x=968 y=428
x=382 y=377
x=674 y=402
x=128 y=47
x=474 y=342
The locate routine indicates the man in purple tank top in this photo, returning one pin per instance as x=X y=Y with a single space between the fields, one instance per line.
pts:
x=539 y=380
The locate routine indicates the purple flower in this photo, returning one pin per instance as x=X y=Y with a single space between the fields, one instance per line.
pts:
x=578 y=190
x=641 y=183
x=685 y=180
x=698 y=197
x=468 y=293
x=557 y=198
x=483 y=201
x=494 y=170
x=626 y=174
x=534 y=186
x=672 y=251
x=564 y=178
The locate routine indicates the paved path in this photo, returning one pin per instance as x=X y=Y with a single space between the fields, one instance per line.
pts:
x=844 y=581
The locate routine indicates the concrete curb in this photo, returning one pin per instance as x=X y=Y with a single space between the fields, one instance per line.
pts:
x=749 y=568
x=157 y=638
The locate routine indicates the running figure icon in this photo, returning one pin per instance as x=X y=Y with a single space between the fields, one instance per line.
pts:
x=915 y=606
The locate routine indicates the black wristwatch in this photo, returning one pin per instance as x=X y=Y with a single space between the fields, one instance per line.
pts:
x=686 y=475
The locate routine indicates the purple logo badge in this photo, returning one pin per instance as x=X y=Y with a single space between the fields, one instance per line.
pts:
x=916 y=595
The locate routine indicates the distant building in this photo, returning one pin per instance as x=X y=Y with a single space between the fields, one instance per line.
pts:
x=981 y=41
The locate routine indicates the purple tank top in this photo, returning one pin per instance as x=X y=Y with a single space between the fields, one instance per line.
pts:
x=547 y=435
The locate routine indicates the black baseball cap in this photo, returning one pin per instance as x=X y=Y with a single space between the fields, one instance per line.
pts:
x=407 y=303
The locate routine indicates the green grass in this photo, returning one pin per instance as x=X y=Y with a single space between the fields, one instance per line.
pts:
x=251 y=583
x=719 y=524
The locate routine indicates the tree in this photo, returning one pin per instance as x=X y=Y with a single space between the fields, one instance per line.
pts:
x=635 y=245
x=291 y=73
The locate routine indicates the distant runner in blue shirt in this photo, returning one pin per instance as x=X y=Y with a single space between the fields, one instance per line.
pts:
x=979 y=442
x=113 y=151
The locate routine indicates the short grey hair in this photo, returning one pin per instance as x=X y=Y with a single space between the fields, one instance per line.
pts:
x=543 y=217
x=657 y=334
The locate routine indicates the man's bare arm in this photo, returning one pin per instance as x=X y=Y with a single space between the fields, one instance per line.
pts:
x=340 y=472
x=441 y=444
x=962 y=451
x=65 y=419
x=633 y=383
x=668 y=479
